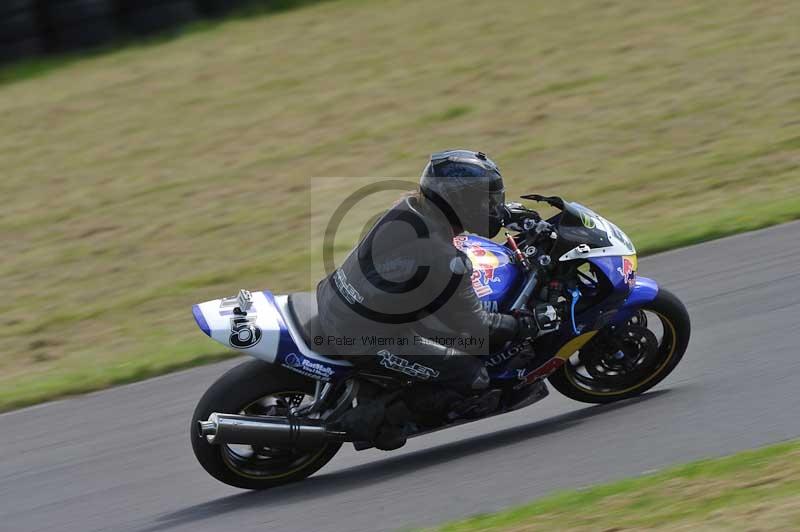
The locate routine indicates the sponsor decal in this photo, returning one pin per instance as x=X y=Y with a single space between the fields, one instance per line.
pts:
x=413 y=369
x=244 y=333
x=484 y=264
x=460 y=242
x=346 y=289
x=490 y=306
x=514 y=350
x=628 y=269
x=531 y=376
x=307 y=367
x=481 y=289
x=588 y=221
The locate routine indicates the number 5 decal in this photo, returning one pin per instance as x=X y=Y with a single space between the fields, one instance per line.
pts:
x=244 y=334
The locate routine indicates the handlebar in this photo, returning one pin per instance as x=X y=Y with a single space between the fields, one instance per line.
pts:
x=516 y=214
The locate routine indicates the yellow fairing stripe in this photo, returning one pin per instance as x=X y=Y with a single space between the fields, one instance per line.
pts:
x=573 y=345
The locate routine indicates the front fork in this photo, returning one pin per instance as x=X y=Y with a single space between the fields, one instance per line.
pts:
x=644 y=291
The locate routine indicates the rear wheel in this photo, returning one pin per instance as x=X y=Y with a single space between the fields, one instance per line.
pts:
x=256 y=388
x=626 y=360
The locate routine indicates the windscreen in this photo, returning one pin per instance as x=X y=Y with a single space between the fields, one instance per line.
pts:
x=579 y=225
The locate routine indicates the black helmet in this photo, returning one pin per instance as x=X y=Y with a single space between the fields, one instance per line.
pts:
x=468 y=188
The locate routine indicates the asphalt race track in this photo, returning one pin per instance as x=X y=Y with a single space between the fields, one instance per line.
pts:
x=120 y=459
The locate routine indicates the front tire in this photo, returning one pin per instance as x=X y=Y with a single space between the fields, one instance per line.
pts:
x=591 y=376
x=238 y=391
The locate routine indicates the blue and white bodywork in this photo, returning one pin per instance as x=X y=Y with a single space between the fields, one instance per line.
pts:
x=260 y=325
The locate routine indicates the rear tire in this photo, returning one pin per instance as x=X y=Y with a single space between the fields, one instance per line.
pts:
x=230 y=394
x=677 y=330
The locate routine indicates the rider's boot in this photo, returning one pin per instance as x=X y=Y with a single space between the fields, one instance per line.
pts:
x=382 y=422
x=363 y=422
x=393 y=432
x=527 y=395
x=477 y=406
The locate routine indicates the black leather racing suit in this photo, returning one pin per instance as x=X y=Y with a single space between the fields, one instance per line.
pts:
x=403 y=299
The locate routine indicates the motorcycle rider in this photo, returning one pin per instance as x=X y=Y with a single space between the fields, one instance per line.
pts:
x=404 y=299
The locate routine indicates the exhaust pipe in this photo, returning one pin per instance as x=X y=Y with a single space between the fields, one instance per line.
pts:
x=266 y=431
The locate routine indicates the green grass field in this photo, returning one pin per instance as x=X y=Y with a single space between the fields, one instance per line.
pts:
x=753 y=490
x=140 y=181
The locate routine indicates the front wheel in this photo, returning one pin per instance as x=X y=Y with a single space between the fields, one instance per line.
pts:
x=626 y=360
x=257 y=388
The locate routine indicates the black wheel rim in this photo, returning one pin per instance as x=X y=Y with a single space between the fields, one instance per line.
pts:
x=269 y=462
x=625 y=358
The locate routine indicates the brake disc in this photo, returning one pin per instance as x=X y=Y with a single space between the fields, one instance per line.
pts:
x=622 y=355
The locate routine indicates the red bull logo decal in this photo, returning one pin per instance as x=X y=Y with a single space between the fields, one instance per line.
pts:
x=484 y=264
x=628 y=269
x=529 y=377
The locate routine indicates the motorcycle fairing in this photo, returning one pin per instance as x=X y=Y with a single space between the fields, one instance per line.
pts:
x=564 y=344
x=629 y=292
x=495 y=276
x=644 y=291
x=620 y=271
x=298 y=357
x=580 y=226
x=274 y=338
x=217 y=321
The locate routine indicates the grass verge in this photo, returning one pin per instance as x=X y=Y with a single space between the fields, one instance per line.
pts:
x=145 y=179
x=752 y=490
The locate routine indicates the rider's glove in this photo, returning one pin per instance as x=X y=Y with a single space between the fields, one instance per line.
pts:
x=543 y=320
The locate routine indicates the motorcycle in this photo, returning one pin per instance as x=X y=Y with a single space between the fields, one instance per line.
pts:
x=273 y=420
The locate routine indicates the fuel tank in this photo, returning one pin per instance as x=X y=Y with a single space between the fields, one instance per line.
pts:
x=495 y=278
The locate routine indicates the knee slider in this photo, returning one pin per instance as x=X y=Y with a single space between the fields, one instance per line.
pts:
x=480 y=379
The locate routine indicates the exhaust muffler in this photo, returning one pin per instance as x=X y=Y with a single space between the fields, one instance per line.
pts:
x=268 y=431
